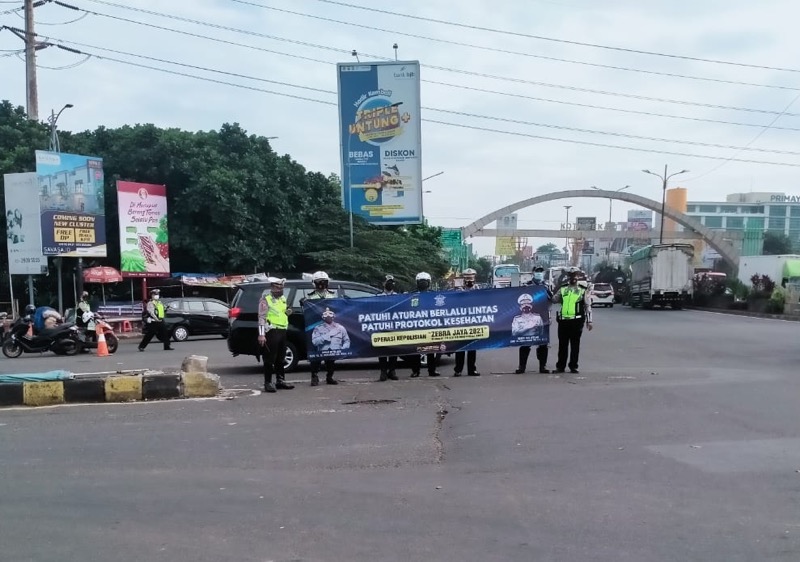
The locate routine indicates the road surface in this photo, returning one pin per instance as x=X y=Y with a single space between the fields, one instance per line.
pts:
x=679 y=441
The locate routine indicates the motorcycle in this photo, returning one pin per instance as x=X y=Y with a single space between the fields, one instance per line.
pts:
x=94 y=323
x=61 y=340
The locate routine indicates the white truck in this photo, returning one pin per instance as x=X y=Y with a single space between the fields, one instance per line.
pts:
x=662 y=274
x=778 y=268
x=505 y=275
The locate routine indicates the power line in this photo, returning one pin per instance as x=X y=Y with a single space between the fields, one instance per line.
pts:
x=517 y=53
x=460 y=125
x=445 y=69
x=555 y=40
x=460 y=113
x=458 y=86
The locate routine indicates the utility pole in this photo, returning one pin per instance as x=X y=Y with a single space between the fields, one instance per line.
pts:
x=32 y=87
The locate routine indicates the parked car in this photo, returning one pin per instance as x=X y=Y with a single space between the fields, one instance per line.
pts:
x=243 y=315
x=602 y=294
x=195 y=316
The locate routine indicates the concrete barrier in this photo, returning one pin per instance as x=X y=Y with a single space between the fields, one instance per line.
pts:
x=193 y=382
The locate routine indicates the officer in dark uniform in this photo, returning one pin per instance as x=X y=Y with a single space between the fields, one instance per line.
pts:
x=388 y=364
x=575 y=312
x=423 y=284
x=541 y=350
x=471 y=355
x=320 y=280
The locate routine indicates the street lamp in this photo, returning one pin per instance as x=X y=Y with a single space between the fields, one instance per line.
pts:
x=664 y=179
x=566 y=238
x=55 y=146
x=610 y=199
x=433 y=176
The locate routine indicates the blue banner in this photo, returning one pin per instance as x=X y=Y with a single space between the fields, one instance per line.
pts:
x=430 y=322
x=379 y=131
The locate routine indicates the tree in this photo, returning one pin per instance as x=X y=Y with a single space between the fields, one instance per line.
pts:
x=547 y=249
x=776 y=243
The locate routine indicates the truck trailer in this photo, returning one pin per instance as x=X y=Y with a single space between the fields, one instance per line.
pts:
x=662 y=274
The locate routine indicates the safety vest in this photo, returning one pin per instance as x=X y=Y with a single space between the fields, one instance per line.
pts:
x=159 y=309
x=570 y=301
x=276 y=314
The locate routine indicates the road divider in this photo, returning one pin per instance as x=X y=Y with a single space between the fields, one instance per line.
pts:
x=60 y=387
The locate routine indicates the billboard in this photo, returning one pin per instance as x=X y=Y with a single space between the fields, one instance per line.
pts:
x=72 y=203
x=22 y=225
x=381 y=143
x=586 y=223
x=429 y=322
x=640 y=220
x=505 y=243
x=452 y=245
x=143 y=233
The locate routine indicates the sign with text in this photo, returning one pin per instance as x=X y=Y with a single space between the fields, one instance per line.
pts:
x=143 y=233
x=72 y=203
x=381 y=143
x=24 y=235
x=430 y=322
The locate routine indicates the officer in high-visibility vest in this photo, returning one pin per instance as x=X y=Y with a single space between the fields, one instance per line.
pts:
x=273 y=321
x=575 y=312
x=320 y=280
x=154 y=322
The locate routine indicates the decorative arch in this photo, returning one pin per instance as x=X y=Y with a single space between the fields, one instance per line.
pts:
x=714 y=238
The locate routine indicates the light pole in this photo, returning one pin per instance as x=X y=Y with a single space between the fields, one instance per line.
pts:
x=664 y=179
x=55 y=146
x=566 y=238
x=433 y=176
x=610 y=199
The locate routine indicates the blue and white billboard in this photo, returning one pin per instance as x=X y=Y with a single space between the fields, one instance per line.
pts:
x=381 y=143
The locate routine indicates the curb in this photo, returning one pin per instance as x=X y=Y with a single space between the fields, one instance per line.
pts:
x=787 y=317
x=192 y=382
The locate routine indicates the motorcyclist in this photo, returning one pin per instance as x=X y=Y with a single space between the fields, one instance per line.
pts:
x=423 y=280
x=45 y=318
x=388 y=364
x=320 y=280
x=541 y=350
x=83 y=308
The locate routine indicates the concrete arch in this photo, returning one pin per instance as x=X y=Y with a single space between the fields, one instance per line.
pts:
x=714 y=238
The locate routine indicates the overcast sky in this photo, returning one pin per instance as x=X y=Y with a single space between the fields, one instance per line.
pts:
x=483 y=170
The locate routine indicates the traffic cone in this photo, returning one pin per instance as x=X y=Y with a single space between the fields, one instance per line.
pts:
x=102 y=346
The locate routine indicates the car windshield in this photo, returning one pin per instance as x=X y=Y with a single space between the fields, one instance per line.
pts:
x=505 y=271
x=602 y=287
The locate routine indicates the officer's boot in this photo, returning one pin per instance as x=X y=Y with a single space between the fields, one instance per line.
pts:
x=541 y=355
x=268 y=386
x=392 y=375
x=384 y=375
x=281 y=383
x=524 y=351
x=314 y=378
x=329 y=375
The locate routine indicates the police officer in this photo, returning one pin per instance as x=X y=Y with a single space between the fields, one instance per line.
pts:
x=423 y=280
x=154 y=322
x=471 y=355
x=82 y=308
x=320 y=280
x=541 y=350
x=574 y=314
x=388 y=364
x=330 y=335
x=273 y=321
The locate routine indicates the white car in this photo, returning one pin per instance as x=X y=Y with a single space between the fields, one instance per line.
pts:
x=602 y=294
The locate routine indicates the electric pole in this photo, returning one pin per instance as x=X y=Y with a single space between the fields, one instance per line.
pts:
x=32 y=88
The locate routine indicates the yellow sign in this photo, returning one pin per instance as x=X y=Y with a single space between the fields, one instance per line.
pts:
x=505 y=246
x=388 y=339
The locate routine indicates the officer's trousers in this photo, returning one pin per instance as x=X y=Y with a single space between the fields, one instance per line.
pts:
x=569 y=342
x=275 y=355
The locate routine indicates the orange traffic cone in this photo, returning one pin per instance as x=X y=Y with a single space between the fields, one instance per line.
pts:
x=102 y=346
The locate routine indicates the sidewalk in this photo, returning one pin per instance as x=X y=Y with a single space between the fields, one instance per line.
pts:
x=787 y=317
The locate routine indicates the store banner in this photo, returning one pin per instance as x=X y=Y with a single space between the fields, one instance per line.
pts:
x=381 y=144
x=143 y=233
x=430 y=322
x=72 y=203
x=22 y=225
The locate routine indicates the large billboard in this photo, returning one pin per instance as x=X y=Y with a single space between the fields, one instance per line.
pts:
x=22 y=225
x=143 y=233
x=640 y=220
x=505 y=243
x=71 y=198
x=381 y=143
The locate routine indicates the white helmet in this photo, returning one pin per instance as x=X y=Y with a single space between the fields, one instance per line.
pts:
x=524 y=299
x=423 y=276
x=328 y=313
x=87 y=317
x=319 y=276
x=470 y=271
x=276 y=281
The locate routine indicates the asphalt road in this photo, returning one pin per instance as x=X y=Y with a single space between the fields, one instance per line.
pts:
x=679 y=441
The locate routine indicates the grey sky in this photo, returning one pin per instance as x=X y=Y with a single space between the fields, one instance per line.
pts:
x=483 y=170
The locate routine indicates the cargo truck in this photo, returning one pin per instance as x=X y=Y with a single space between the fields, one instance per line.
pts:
x=662 y=275
x=777 y=268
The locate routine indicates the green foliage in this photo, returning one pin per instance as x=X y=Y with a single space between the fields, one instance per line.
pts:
x=547 y=249
x=776 y=243
x=777 y=301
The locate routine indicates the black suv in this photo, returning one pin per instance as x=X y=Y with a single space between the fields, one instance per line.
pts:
x=195 y=316
x=243 y=315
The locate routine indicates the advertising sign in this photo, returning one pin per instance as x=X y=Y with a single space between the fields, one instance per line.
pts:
x=381 y=143
x=505 y=244
x=430 y=322
x=143 y=234
x=585 y=223
x=71 y=198
x=640 y=220
x=22 y=225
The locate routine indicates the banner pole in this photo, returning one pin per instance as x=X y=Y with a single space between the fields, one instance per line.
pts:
x=11 y=288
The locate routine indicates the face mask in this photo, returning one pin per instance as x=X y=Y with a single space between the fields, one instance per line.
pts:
x=527 y=309
x=539 y=276
x=156 y=297
x=469 y=283
x=389 y=286
x=423 y=285
x=573 y=280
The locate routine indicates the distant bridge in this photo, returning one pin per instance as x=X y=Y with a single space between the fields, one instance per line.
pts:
x=599 y=234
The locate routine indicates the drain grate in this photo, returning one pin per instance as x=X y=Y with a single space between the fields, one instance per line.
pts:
x=369 y=402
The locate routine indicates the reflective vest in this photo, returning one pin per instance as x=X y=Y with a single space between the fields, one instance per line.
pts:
x=159 y=309
x=276 y=313
x=570 y=301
